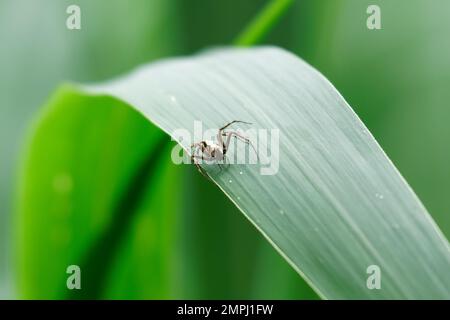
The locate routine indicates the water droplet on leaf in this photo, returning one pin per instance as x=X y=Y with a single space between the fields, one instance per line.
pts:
x=379 y=196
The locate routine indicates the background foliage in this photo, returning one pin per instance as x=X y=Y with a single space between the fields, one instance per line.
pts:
x=396 y=79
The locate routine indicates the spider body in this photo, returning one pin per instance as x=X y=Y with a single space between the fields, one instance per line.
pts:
x=216 y=151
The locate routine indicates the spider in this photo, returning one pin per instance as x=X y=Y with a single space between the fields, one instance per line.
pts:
x=211 y=151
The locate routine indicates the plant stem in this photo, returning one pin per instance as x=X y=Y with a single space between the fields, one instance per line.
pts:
x=263 y=22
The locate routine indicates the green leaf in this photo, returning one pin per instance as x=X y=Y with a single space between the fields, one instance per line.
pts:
x=263 y=22
x=403 y=96
x=336 y=206
x=60 y=54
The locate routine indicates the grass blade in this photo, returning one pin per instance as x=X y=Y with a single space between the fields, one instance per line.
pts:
x=337 y=204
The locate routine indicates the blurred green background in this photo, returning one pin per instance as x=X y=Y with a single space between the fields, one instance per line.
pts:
x=396 y=79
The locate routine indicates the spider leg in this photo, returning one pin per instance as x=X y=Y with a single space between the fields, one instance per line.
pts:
x=220 y=141
x=196 y=145
x=194 y=156
x=222 y=133
x=203 y=157
x=239 y=136
x=204 y=151
x=225 y=160
x=230 y=123
x=199 y=167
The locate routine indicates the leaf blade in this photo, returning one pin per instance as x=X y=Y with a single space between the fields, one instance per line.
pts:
x=337 y=204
